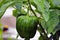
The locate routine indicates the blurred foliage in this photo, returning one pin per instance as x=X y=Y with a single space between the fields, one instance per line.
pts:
x=48 y=9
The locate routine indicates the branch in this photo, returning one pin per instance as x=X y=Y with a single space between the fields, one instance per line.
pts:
x=31 y=8
x=42 y=29
x=45 y=35
x=55 y=8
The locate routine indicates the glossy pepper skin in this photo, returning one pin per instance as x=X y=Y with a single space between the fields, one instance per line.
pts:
x=26 y=26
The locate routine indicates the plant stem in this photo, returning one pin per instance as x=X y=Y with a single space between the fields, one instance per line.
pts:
x=27 y=38
x=36 y=16
x=31 y=8
x=28 y=10
x=45 y=35
x=17 y=36
x=43 y=31
x=55 y=8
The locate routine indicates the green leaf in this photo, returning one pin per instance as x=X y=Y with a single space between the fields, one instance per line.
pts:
x=55 y=3
x=56 y=28
x=4 y=7
x=18 y=6
x=45 y=15
x=15 y=13
x=59 y=18
x=41 y=6
x=58 y=12
x=51 y=3
x=53 y=21
x=46 y=4
x=2 y=2
x=43 y=23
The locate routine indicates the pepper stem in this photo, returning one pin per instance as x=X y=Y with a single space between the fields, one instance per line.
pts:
x=28 y=10
x=27 y=38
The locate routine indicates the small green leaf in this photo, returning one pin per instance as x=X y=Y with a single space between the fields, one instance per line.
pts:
x=18 y=5
x=15 y=13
